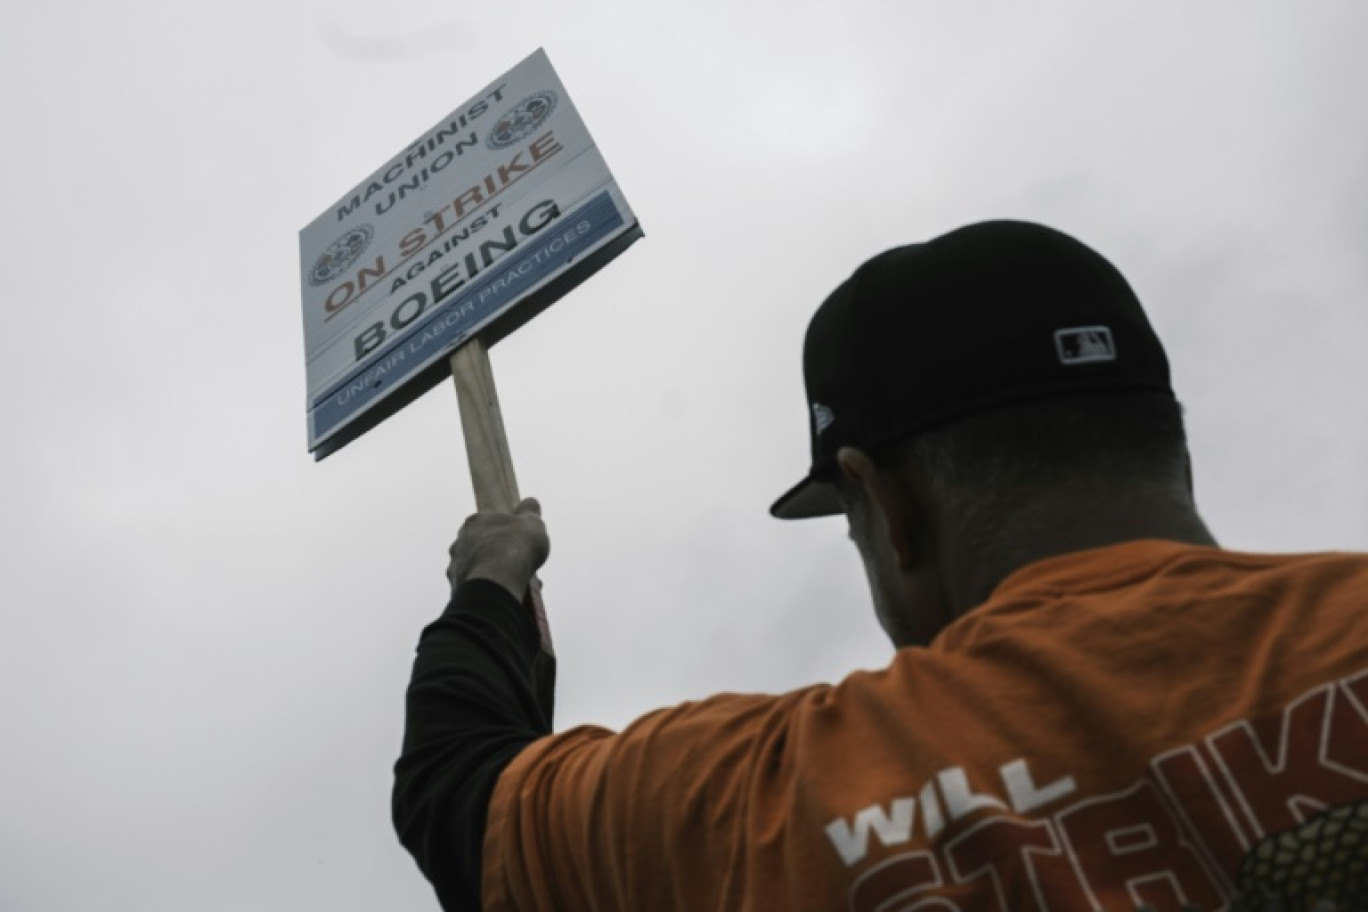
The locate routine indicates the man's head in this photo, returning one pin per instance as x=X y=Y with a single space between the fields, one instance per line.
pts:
x=982 y=400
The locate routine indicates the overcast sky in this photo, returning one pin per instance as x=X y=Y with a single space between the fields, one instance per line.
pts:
x=205 y=636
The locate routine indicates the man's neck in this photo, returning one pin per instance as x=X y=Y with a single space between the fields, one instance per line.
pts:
x=1051 y=530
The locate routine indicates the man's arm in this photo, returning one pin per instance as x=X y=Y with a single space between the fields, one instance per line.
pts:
x=480 y=693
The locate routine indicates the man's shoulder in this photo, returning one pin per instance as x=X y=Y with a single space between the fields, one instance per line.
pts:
x=1154 y=566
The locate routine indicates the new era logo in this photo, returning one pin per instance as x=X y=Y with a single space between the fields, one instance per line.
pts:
x=1084 y=344
x=822 y=417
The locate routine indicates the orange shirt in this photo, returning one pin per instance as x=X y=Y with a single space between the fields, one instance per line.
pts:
x=1112 y=728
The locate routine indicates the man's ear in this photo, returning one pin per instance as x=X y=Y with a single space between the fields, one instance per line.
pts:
x=857 y=467
x=887 y=501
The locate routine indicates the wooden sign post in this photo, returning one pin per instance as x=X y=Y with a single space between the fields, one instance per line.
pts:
x=491 y=464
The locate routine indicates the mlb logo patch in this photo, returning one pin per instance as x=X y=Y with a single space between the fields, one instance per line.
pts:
x=1084 y=345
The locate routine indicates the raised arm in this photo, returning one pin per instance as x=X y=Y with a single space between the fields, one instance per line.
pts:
x=481 y=692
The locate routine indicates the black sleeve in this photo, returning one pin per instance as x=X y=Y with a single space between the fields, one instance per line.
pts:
x=481 y=692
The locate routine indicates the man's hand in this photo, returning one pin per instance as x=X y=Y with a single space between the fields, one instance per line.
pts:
x=504 y=548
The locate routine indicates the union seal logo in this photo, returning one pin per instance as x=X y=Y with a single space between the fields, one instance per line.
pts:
x=340 y=254
x=522 y=119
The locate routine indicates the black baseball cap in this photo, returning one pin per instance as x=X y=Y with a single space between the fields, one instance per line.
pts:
x=989 y=315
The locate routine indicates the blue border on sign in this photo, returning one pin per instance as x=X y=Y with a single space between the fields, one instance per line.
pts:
x=506 y=281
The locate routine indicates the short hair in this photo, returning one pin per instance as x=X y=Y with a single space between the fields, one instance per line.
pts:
x=1011 y=455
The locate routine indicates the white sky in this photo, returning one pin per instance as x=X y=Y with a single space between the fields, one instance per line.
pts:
x=204 y=636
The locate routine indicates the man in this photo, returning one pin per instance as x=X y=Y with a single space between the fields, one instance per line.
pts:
x=1091 y=706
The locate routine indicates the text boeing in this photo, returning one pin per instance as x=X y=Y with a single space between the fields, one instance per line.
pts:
x=453 y=278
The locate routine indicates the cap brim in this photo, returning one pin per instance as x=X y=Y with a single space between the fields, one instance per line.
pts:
x=808 y=500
